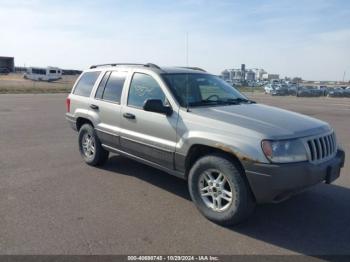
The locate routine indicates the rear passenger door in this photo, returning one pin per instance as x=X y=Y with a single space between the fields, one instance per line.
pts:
x=107 y=105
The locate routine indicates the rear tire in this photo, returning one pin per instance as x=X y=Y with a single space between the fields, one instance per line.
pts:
x=90 y=146
x=225 y=176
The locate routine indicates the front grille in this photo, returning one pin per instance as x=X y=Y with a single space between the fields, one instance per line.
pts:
x=322 y=147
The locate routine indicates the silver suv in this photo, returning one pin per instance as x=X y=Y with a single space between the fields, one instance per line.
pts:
x=233 y=152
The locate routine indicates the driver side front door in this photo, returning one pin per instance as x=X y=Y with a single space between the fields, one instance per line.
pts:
x=148 y=135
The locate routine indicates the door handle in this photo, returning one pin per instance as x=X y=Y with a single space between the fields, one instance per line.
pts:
x=95 y=107
x=129 y=115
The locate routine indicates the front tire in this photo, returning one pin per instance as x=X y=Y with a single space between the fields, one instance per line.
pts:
x=90 y=146
x=219 y=191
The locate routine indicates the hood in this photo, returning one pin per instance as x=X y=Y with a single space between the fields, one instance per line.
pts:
x=271 y=122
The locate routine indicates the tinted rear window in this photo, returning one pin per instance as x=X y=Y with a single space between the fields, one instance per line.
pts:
x=111 y=86
x=86 y=83
x=114 y=87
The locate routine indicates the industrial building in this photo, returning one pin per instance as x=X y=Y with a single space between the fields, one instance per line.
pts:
x=270 y=76
x=243 y=74
x=250 y=76
x=7 y=62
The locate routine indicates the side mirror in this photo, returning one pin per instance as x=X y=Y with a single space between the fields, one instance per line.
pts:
x=156 y=105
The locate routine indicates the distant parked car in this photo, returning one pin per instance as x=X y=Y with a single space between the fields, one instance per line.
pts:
x=309 y=91
x=269 y=88
x=323 y=90
x=229 y=82
x=346 y=92
x=275 y=81
x=4 y=70
x=280 y=90
x=336 y=92
x=251 y=83
x=292 y=89
x=316 y=91
x=304 y=92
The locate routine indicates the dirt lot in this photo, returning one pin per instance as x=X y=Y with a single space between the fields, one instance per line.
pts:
x=15 y=83
x=53 y=203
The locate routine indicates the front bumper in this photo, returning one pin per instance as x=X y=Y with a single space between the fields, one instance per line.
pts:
x=276 y=182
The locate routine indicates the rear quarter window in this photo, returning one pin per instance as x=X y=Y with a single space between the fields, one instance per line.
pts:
x=86 y=83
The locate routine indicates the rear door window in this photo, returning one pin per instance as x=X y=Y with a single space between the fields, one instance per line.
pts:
x=86 y=83
x=111 y=86
x=114 y=87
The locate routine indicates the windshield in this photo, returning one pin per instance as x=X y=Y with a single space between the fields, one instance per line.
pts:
x=192 y=89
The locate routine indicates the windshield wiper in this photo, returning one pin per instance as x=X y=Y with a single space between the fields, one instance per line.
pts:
x=240 y=100
x=211 y=102
x=229 y=101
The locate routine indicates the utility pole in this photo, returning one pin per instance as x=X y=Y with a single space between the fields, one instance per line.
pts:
x=344 y=76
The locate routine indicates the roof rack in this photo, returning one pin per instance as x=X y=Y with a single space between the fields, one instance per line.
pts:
x=126 y=64
x=152 y=65
x=193 y=68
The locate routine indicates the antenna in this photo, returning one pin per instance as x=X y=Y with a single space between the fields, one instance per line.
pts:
x=186 y=48
x=187 y=100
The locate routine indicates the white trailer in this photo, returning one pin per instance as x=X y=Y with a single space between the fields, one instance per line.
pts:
x=43 y=74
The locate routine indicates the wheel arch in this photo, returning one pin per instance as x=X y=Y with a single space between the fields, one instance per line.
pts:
x=81 y=121
x=197 y=151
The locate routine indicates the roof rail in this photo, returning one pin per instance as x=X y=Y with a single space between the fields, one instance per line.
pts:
x=193 y=68
x=152 y=65
x=126 y=64
x=112 y=64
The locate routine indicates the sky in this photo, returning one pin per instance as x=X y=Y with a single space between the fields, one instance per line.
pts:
x=304 y=38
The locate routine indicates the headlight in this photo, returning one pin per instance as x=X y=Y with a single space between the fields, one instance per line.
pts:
x=284 y=151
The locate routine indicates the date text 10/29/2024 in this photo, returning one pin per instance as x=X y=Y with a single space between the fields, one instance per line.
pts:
x=173 y=258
